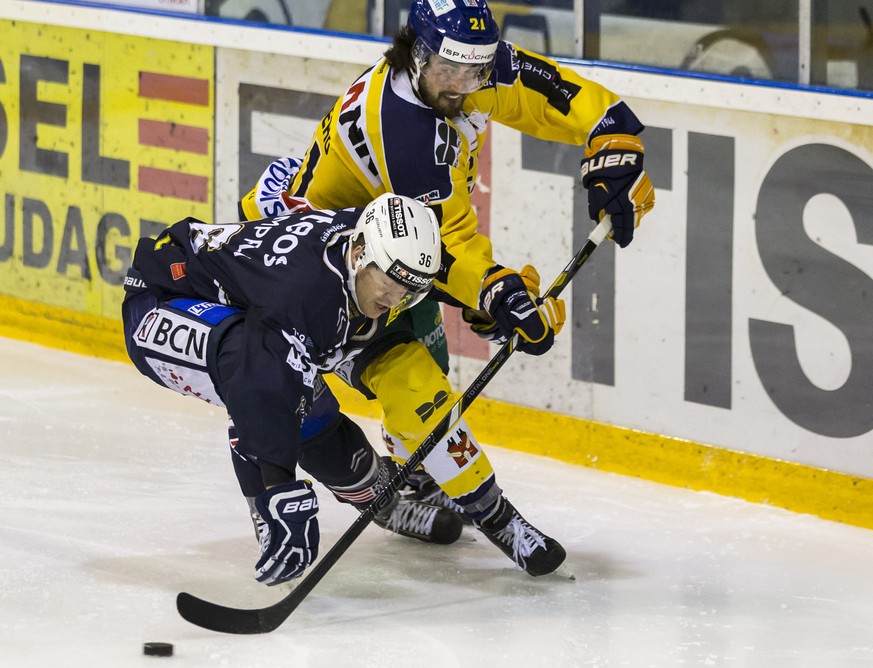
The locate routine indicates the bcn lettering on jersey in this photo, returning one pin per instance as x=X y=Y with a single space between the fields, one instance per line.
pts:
x=173 y=335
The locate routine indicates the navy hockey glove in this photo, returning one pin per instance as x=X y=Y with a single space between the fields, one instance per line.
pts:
x=612 y=171
x=288 y=531
x=506 y=297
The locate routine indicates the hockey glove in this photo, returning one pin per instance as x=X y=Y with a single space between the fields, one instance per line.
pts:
x=483 y=325
x=612 y=171
x=481 y=322
x=288 y=531
x=269 y=197
x=506 y=297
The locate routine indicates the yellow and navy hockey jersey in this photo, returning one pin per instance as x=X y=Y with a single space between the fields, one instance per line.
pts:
x=379 y=137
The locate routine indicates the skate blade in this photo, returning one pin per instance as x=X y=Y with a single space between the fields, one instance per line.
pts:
x=564 y=572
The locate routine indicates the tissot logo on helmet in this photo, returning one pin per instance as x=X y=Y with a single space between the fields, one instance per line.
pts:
x=397 y=218
x=405 y=276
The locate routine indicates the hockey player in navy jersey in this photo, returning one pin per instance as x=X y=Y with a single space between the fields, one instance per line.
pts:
x=414 y=123
x=247 y=315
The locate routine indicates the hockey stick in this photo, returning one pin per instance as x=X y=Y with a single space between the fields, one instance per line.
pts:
x=263 y=620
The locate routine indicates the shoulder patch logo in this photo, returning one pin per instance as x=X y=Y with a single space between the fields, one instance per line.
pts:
x=178 y=270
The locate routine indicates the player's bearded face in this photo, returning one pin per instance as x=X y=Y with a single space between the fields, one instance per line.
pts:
x=446 y=102
x=445 y=85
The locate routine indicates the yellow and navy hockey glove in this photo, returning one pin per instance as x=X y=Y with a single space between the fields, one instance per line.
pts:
x=617 y=184
x=507 y=298
x=481 y=322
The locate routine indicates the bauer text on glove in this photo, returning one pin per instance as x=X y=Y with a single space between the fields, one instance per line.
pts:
x=505 y=295
x=612 y=171
x=288 y=531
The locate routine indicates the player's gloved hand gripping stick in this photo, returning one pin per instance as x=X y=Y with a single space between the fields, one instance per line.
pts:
x=263 y=620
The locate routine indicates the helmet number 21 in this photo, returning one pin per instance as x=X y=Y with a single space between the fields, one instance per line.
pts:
x=477 y=23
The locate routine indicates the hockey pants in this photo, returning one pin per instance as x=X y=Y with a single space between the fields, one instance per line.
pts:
x=415 y=395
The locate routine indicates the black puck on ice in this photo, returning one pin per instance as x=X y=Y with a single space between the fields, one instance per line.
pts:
x=157 y=649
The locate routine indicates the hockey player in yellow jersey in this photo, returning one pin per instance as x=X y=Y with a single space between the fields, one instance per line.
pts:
x=413 y=124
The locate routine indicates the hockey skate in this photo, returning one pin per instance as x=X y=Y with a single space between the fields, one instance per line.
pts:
x=422 y=487
x=531 y=550
x=409 y=516
x=406 y=516
x=427 y=522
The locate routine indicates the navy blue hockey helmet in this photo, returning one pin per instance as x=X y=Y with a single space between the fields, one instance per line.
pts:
x=461 y=34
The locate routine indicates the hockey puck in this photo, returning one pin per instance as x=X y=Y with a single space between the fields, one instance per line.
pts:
x=157 y=649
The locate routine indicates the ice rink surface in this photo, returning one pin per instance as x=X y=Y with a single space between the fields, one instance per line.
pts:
x=117 y=494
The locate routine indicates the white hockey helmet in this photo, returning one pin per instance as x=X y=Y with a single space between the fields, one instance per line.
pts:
x=402 y=238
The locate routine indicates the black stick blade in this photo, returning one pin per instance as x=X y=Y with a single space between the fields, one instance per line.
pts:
x=222 y=619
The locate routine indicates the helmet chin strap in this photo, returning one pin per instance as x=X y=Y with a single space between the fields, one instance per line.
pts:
x=354 y=266
x=419 y=61
x=414 y=75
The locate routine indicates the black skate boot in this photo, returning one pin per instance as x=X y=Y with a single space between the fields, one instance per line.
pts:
x=411 y=517
x=531 y=550
x=426 y=522
x=424 y=488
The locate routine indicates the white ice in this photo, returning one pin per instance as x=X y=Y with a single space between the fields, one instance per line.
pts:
x=117 y=494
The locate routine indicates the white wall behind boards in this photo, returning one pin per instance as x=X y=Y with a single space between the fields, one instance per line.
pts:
x=741 y=315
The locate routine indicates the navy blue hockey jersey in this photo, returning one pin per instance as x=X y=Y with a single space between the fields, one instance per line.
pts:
x=289 y=274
